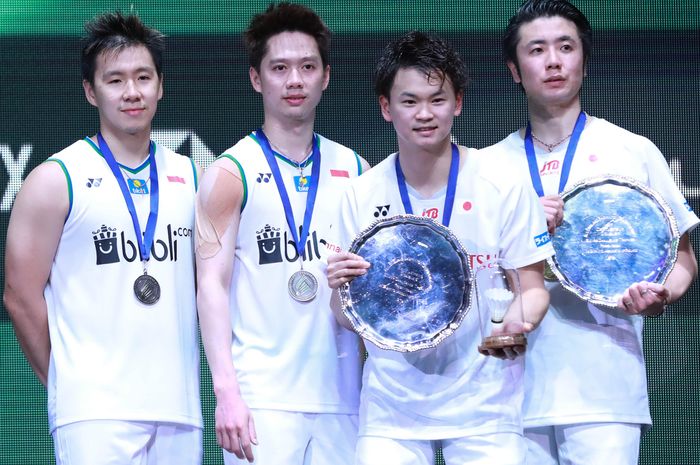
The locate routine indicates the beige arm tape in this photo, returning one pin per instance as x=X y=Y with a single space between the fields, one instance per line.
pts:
x=218 y=205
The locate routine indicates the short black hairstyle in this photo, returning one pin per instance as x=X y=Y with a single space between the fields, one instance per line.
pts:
x=114 y=32
x=284 y=17
x=533 y=9
x=425 y=52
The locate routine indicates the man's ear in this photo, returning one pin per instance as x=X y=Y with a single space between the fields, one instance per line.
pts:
x=514 y=72
x=89 y=93
x=384 y=105
x=255 y=79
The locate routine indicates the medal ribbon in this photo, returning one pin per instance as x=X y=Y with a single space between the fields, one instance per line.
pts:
x=568 y=157
x=449 y=195
x=299 y=241
x=145 y=241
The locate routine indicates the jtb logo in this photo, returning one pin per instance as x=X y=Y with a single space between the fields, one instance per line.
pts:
x=549 y=167
x=542 y=239
x=271 y=245
x=431 y=213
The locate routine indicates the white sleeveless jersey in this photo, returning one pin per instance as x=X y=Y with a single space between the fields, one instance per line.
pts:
x=586 y=363
x=113 y=357
x=289 y=355
x=451 y=390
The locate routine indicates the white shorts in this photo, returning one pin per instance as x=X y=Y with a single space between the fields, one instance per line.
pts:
x=116 y=442
x=487 y=449
x=295 y=438
x=584 y=444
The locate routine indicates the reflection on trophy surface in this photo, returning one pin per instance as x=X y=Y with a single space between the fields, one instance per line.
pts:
x=615 y=232
x=418 y=289
x=500 y=303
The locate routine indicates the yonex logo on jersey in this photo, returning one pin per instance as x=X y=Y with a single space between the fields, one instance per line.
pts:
x=381 y=210
x=112 y=246
x=263 y=177
x=105 y=240
x=276 y=247
x=542 y=239
x=93 y=182
x=431 y=213
x=550 y=167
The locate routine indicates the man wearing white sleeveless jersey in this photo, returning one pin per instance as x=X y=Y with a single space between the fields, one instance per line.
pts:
x=586 y=393
x=264 y=230
x=450 y=396
x=100 y=270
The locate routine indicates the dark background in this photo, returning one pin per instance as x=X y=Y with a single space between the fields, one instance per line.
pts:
x=644 y=76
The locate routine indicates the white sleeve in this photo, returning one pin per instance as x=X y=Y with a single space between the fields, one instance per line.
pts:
x=347 y=219
x=661 y=181
x=524 y=237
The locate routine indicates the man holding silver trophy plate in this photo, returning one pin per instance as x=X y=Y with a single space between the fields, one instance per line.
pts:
x=442 y=392
x=622 y=248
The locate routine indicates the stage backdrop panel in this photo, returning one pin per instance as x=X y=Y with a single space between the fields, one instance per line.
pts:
x=643 y=76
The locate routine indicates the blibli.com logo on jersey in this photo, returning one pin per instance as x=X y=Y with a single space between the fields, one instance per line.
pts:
x=275 y=247
x=542 y=239
x=112 y=246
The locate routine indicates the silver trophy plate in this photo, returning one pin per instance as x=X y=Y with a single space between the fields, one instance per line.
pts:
x=615 y=232
x=418 y=288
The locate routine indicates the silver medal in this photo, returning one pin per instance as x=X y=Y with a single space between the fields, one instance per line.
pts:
x=147 y=289
x=302 y=286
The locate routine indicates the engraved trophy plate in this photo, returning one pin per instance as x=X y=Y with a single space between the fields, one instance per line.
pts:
x=417 y=290
x=615 y=232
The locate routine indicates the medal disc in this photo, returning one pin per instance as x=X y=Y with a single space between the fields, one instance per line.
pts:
x=147 y=289
x=303 y=286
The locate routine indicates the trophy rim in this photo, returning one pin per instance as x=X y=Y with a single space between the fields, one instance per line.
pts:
x=365 y=330
x=632 y=183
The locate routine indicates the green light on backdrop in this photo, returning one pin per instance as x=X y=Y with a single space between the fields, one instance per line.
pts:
x=178 y=17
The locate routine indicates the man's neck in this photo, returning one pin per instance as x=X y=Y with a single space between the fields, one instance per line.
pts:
x=426 y=171
x=551 y=124
x=293 y=140
x=130 y=150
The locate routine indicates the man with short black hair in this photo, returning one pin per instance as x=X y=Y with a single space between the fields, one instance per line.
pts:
x=586 y=397
x=263 y=235
x=450 y=396
x=99 y=286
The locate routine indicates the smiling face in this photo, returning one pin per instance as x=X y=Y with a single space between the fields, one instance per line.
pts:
x=422 y=109
x=291 y=78
x=126 y=91
x=551 y=66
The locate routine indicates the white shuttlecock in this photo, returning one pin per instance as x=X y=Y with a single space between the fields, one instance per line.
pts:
x=498 y=300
